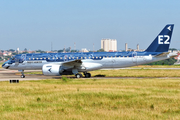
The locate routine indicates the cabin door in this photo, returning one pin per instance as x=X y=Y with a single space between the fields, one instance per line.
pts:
x=134 y=57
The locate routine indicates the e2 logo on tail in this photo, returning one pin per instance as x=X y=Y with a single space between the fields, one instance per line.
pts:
x=160 y=39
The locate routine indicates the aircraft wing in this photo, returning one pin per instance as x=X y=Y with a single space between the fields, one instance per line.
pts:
x=72 y=63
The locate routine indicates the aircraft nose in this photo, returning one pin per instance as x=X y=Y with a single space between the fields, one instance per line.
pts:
x=5 y=65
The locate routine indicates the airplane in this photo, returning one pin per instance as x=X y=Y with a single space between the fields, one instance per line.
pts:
x=57 y=64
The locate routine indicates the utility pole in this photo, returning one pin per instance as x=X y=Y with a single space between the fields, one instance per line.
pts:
x=74 y=47
x=51 y=46
x=93 y=47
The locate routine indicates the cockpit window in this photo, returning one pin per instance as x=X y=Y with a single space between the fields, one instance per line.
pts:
x=12 y=58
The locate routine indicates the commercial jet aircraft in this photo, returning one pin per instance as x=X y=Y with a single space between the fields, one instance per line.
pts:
x=74 y=63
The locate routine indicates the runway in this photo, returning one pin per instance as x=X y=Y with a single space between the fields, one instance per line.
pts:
x=6 y=75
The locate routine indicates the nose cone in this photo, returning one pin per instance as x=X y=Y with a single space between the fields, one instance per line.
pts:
x=5 y=65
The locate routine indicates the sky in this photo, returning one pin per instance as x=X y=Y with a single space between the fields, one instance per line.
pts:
x=35 y=24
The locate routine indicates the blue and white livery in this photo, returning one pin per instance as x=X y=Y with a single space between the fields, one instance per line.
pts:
x=74 y=63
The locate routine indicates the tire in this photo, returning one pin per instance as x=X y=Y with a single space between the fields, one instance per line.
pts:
x=88 y=75
x=78 y=75
x=22 y=76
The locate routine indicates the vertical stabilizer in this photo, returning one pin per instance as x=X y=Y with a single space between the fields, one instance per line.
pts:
x=162 y=41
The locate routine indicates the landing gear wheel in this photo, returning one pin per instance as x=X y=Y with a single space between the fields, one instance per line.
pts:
x=22 y=76
x=78 y=75
x=88 y=75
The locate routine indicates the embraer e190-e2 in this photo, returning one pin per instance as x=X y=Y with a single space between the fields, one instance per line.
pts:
x=75 y=63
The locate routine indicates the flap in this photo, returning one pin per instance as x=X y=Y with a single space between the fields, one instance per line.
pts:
x=72 y=63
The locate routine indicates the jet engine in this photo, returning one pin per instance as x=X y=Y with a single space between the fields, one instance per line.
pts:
x=51 y=69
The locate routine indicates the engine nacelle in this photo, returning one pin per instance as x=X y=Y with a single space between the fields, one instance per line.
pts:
x=50 y=69
x=90 y=66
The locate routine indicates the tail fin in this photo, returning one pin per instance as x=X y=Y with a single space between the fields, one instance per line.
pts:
x=162 y=41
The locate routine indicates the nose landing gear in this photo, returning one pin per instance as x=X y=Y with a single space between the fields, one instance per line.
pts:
x=22 y=73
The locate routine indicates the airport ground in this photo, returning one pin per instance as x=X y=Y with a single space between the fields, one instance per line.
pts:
x=143 y=92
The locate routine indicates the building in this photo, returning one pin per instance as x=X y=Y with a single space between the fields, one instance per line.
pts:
x=84 y=50
x=109 y=45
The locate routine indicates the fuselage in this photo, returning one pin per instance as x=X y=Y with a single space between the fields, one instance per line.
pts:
x=105 y=59
x=73 y=63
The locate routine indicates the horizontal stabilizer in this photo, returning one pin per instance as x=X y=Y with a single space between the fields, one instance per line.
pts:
x=162 y=54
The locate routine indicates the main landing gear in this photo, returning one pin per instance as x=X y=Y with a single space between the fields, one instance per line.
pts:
x=87 y=75
x=22 y=73
x=78 y=75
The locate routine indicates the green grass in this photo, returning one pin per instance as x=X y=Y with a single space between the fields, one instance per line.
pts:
x=1 y=64
x=129 y=73
x=91 y=99
x=137 y=73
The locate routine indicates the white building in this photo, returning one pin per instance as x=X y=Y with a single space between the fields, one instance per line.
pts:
x=84 y=50
x=109 y=45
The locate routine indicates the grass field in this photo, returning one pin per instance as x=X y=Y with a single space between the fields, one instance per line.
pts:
x=91 y=99
x=131 y=73
x=1 y=64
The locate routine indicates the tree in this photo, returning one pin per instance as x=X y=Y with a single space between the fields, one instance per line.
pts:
x=100 y=50
x=25 y=49
x=172 y=49
x=40 y=51
x=12 y=50
x=169 y=61
x=59 y=51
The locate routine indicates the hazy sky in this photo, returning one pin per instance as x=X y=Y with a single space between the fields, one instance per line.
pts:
x=34 y=24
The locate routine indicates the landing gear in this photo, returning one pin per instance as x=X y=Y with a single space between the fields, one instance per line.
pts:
x=22 y=76
x=87 y=75
x=78 y=75
x=22 y=73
